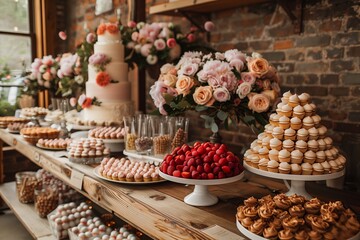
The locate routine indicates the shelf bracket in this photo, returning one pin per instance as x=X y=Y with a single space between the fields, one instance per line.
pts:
x=197 y=19
x=294 y=9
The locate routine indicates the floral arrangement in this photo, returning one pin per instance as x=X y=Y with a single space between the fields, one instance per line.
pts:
x=147 y=44
x=99 y=61
x=227 y=87
x=84 y=102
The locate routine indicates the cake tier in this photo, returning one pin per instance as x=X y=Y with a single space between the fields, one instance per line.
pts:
x=113 y=50
x=113 y=92
x=118 y=71
x=109 y=112
x=107 y=37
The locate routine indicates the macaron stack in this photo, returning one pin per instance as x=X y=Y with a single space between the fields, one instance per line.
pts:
x=295 y=142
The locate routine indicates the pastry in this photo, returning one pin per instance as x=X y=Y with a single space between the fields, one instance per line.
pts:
x=318 y=224
x=328 y=141
x=313 y=133
x=326 y=166
x=275 y=143
x=308 y=109
x=301 y=235
x=284 y=156
x=284 y=122
x=278 y=133
x=322 y=131
x=265 y=212
x=297 y=210
x=290 y=134
x=322 y=144
x=257 y=227
x=313 y=145
x=294 y=101
x=301 y=145
x=309 y=157
x=295 y=169
x=284 y=168
x=286 y=96
x=274 y=154
x=286 y=110
x=314 y=235
x=246 y=222
x=302 y=134
x=263 y=163
x=251 y=202
x=285 y=234
x=107 y=133
x=273 y=166
x=296 y=123
x=312 y=206
x=247 y=154
x=250 y=212
x=304 y=98
x=296 y=156
x=288 y=145
x=306 y=168
x=334 y=166
x=274 y=119
x=263 y=152
x=282 y=201
x=268 y=130
x=298 y=112
x=297 y=199
x=265 y=142
x=318 y=169
x=270 y=232
x=292 y=223
x=308 y=122
x=320 y=156
x=254 y=159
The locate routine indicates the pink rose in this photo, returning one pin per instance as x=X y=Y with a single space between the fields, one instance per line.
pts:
x=131 y=24
x=134 y=36
x=221 y=94
x=159 y=44
x=219 y=56
x=36 y=64
x=47 y=76
x=66 y=69
x=48 y=60
x=190 y=37
x=40 y=82
x=90 y=38
x=188 y=69
x=81 y=99
x=171 y=42
x=62 y=35
x=98 y=58
x=234 y=54
x=209 y=26
x=145 y=49
x=259 y=103
x=243 y=90
x=259 y=66
x=72 y=102
x=175 y=52
x=248 y=77
x=237 y=64
x=60 y=74
x=203 y=96
x=184 y=84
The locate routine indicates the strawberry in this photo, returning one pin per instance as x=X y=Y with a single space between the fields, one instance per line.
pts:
x=176 y=173
x=170 y=170
x=226 y=169
x=185 y=174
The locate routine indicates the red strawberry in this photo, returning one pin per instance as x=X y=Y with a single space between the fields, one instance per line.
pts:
x=170 y=170
x=185 y=174
x=207 y=168
x=210 y=176
x=176 y=173
x=226 y=169
x=195 y=175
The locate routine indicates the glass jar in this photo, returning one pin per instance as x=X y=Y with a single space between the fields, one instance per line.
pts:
x=143 y=143
x=161 y=135
x=26 y=182
x=181 y=128
x=46 y=200
x=130 y=133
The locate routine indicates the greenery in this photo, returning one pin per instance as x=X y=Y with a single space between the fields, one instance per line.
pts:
x=6 y=109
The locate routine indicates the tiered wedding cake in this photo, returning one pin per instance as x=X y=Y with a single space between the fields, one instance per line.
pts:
x=108 y=78
x=295 y=142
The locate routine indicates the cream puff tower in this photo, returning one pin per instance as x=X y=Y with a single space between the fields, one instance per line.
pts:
x=295 y=142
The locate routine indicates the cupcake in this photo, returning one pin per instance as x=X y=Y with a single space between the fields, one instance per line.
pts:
x=313 y=133
x=322 y=131
x=295 y=123
x=285 y=234
x=322 y=144
x=312 y=206
x=278 y=133
x=138 y=177
x=130 y=177
x=284 y=168
x=295 y=169
x=246 y=156
x=268 y=130
x=288 y=145
x=302 y=134
x=274 y=119
x=309 y=157
x=273 y=166
x=326 y=166
x=147 y=177
x=308 y=110
x=155 y=176
x=265 y=142
x=313 y=145
x=254 y=159
x=286 y=110
x=294 y=101
x=301 y=146
x=263 y=164
x=318 y=169
x=297 y=211
x=308 y=123
x=263 y=152
x=316 y=119
x=328 y=141
x=278 y=108
x=286 y=96
x=290 y=134
x=284 y=122
x=299 y=112
x=274 y=154
x=270 y=233
x=284 y=156
x=306 y=168
x=320 y=156
x=275 y=144
x=296 y=156
x=304 y=98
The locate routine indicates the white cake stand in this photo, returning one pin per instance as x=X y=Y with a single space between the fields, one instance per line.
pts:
x=201 y=196
x=134 y=156
x=297 y=181
x=115 y=145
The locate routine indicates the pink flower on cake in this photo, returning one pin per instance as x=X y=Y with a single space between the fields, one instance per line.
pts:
x=87 y=103
x=221 y=94
x=243 y=90
x=101 y=29
x=248 y=77
x=184 y=85
x=102 y=79
x=209 y=26
x=160 y=44
x=258 y=102
x=112 y=28
x=62 y=35
x=259 y=66
x=81 y=99
x=171 y=42
x=72 y=102
x=203 y=96
x=90 y=38
x=98 y=58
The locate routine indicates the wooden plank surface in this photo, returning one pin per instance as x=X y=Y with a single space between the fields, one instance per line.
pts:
x=26 y=213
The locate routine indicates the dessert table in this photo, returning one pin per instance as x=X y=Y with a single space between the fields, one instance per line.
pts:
x=158 y=209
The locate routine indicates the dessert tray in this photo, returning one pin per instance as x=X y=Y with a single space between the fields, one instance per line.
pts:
x=201 y=195
x=86 y=160
x=50 y=149
x=297 y=181
x=140 y=157
x=115 y=145
x=96 y=172
x=80 y=127
x=13 y=131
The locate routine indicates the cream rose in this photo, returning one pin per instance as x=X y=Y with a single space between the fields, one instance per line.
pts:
x=169 y=79
x=203 y=96
x=259 y=103
x=184 y=85
x=243 y=89
x=259 y=66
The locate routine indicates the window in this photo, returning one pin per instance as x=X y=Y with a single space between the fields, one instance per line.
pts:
x=16 y=34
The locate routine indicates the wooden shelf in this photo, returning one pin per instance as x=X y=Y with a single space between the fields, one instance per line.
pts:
x=38 y=227
x=199 y=6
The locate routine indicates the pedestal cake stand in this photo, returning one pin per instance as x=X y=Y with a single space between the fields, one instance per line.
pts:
x=201 y=196
x=297 y=181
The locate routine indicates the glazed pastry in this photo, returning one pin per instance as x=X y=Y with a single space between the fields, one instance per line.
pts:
x=278 y=133
x=270 y=232
x=285 y=234
x=301 y=145
x=263 y=152
x=276 y=223
x=273 y=166
x=282 y=201
x=297 y=199
x=313 y=133
x=275 y=144
x=306 y=169
x=284 y=156
x=286 y=96
x=258 y=226
x=254 y=159
x=290 y=134
x=296 y=123
x=284 y=122
x=286 y=111
x=318 y=169
x=263 y=163
x=301 y=235
x=250 y=212
x=107 y=132
x=246 y=222
x=318 y=224
x=302 y=134
x=292 y=223
x=309 y=157
x=240 y=213
x=308 y=122
x=297 y=211
x=299 y=112
x=312 y=206
x=265 y=212
x=288 y=145
x=294 y=101
x=314 y=235
x=274 y=155
x=304 y=98
x=251 y=202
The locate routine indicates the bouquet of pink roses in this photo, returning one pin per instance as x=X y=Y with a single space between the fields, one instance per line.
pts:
x=226 y=87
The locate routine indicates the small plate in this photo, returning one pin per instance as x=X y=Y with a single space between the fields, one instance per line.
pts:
x=50 y=149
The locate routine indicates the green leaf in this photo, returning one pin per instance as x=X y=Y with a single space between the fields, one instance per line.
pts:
x=200 y=108
x=207 y=118
x=248 y=119
x=222 y=115
x=214 y=127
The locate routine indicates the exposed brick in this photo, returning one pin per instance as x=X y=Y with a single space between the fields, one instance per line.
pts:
x=316 y=14
x=228 y=36
x=339 y=91
x=334 y=53
x=310 y=28
x=284 y=44
x=281 y=31
x=312 y=41
x=313 y=90
x=350 y=38
x=225 y=46
x=353 y=23
x=314 y=54
x=295 y=55
x=354 y=104
x=354 y=116
x=329 y=79
x=300 y=79
x=246 y=23
x=351 y=78
x=353 y=51
x=355 y=91
x=224 y=14
x=330 y=25
x=284 y=67
x=340 y=65
x=260 y=45
x=312 y=67
x=242 y=46
x=215 y=37
x=274 y=56
x=337 y=115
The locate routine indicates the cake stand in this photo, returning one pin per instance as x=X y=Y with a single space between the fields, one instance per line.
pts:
x=134 y=156
x=115 y=145
x=201 y=196
x=297 y=181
